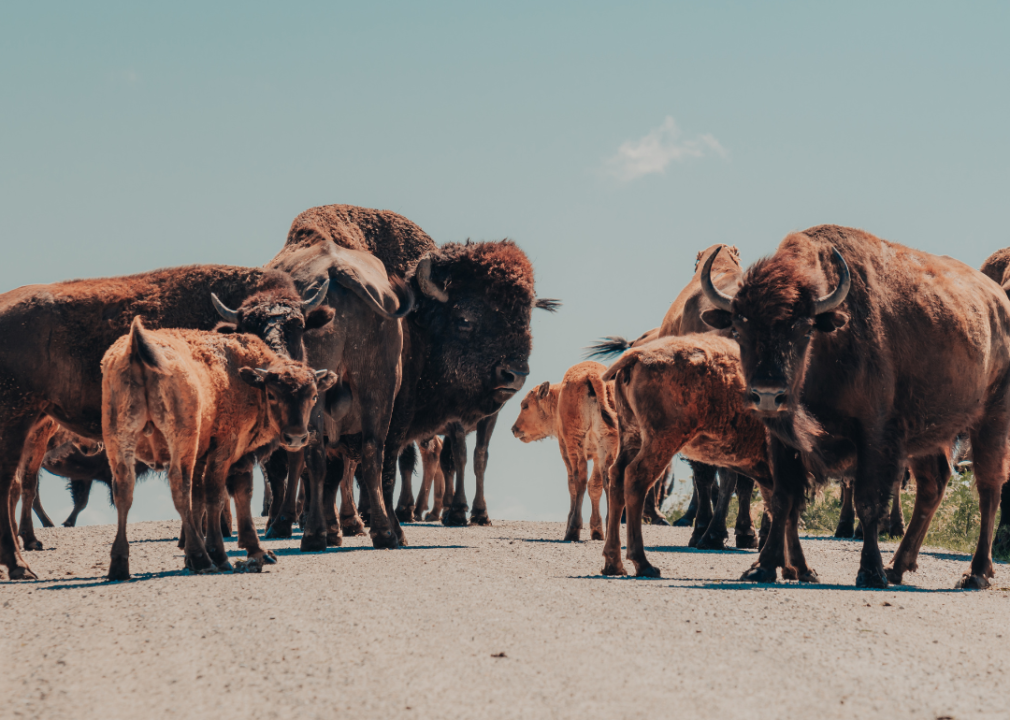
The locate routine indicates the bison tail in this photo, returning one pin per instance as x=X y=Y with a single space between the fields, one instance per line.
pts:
x=142 y=350
x=625 y=363
x=597 y=388
x=607 y=347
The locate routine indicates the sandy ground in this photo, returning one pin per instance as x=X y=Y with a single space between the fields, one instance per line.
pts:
x=499 y=622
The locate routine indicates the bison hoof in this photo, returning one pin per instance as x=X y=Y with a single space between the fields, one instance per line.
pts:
x=225 y=567
x=313 y=543
x=1001 y=545
x=69 y=523
x=871 y=579
x=655 y=519
x=119 y=569
x=972 y=582
x=480 y=518
x=352 y=527
x=255 y=564
x=712 y=542
x=684 y=521
x=893 y=576
x=845 y=530
x=573 y=535
x=334 y=539
x=597 y=535
x=696 y=537
x=33 y=544
x=405 y=513
x=647 y=571
x=23 y=572
x=199 y=564
x=279 y=529
x=456 y=518
x=366 y=519
x=614 y=569
x=433 y=516
x=385 y=540
x=747 y=541
x=857 y=534
x=896 y=531
x=808 y=576
x=759 y=575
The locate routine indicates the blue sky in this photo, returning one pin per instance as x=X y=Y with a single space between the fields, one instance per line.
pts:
x=611 y=141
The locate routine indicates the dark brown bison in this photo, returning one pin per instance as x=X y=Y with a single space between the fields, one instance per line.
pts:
x=675 y=394
x=683 y=318
x=458 y=356
x=997 y=267
x=195 y=403
x=55 y=336
x=860 y=356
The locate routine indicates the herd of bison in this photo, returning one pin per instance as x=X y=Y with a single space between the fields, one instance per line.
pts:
x=840 y=357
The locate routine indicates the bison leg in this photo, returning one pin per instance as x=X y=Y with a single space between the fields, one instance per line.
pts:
x=879 y=465
x=577 y=482
x=932 y=474
x=41 y=513
x=226 y=518
x=639 y=477
x=704 y=483
x=448 y=475
x=334 y=479
x=687 y=519
x=13 y=435
x=314 y=527
x=31 y=462
x=457 y=512
x=788 y=488
x=275 y=470
x=282 y=525
x=847 y=516
x=124 y=482
x=428 y=465
x=612 y=563
x=716 y=534
x=596 y=483
x=485 y=428
x=29 y=491
x=240 y=485
x=1001 y=543
x=350 y=522
x=438 y=491
x=405 y=503
x=744 y=528
x=796 y=566
x=80 y=492
x=896 y=524
x=215 y=497
x=650 y=507
x=989 y=450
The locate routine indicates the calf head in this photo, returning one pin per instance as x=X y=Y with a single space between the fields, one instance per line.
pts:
x=278 y=316
x=474 y=306
x=291 y=390
x=773 y=315
x=536 y=416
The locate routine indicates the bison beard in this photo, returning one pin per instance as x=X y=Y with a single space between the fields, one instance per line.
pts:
x=862 y=356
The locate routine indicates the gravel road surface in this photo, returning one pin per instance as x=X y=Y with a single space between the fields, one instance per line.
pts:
x=497 y=622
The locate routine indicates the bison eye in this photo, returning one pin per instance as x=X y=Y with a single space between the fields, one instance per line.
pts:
x=463 y=325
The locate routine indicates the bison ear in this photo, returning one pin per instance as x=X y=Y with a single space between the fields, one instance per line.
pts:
x=320 y=317
x=543 y=389
x=325 y=379
x=830 y=321
x=548 y=304
x=250 y=376
x=719 y=319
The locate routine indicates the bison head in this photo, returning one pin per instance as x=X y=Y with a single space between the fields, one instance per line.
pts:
x=291 y=390
x=278 y=316
x=536 y=416
x=773 y=315
x=473 y=313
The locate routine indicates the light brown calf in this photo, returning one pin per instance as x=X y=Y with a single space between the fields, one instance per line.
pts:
x=196 y=402
x=579 y=412
x=433 y=478
x=676 y=394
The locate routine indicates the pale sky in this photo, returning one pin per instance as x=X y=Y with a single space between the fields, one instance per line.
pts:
x=611 y=141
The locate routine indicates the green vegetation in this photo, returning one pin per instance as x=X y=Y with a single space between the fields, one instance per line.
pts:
x=955 y=525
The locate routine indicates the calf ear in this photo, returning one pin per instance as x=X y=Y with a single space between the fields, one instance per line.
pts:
x=325 y=379
x=830 y=321
x=320 y=317
x=251 y=377
x=543 y=389
x=719 y=319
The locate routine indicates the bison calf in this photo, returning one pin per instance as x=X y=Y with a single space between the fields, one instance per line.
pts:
x=676 y=394
x=196 y=402
x=579 y=413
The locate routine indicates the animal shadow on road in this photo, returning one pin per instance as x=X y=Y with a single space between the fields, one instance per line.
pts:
x=696 y=551
x=741 y=585
x=295 y=551
x=67 y=583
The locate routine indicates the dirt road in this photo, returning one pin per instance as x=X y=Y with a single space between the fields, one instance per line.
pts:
x=499 y=622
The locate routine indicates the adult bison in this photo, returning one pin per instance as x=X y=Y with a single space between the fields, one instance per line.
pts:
x=860 y=356
x=55 y=336
x=406 y=375
x=997 y=267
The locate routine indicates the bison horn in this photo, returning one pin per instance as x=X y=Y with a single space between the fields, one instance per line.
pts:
x=223 y=310
x=320 y=374
x=261 y=373
x=311 y=303
x=428 y=287
x=832 y=300
x=714 y=295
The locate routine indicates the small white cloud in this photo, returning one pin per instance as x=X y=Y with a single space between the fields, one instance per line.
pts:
x=654 y=152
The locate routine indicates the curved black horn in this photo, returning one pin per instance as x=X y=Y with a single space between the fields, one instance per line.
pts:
x=717 y=298
x=223 y=310
x=837 y=296
x=428 y=287
x=310 y=304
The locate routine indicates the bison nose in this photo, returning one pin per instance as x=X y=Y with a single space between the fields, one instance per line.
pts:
x=294 y=442
x=511 y=377
x=517 y=432
x=768 y=398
